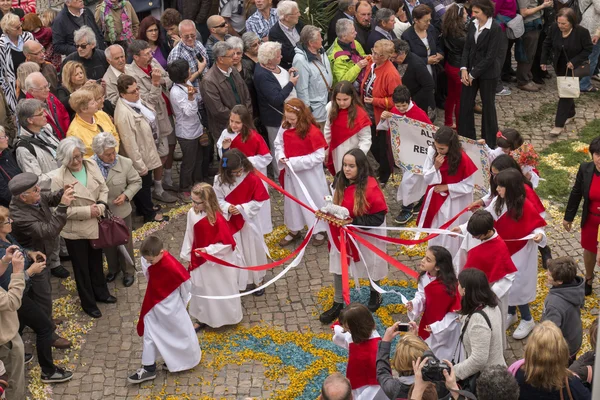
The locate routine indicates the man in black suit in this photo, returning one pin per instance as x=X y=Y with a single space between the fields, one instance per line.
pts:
x=384 y=29
x=287 y=31
x=362 y=22
x=346 y=9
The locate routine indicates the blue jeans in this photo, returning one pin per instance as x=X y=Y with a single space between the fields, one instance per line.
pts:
x=523 y=309
x=586 y=83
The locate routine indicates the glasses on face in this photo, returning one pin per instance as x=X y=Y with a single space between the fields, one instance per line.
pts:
x=295 y=14
x=45 y=87
x=42 y=51
x=83 y=46
x=8 y=221
x=40 y=114
x=78 y=158
x=223 y=25
x=191 y=36
x=133 y=91
x=16 y=28
x=4 y=137
x=35 y=190
x=152 y=30
x=198 y=203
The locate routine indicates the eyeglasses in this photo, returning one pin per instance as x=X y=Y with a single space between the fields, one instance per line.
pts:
x=152 y=31
x=4 y=137
x=16 y=28
x=42 y=51
x=35 y=190
x=224 y=24
x=83 y=46
x=137 y=89
x=198 y=203
x=39 y=115
x=192 y=36
x=45 y=87
x=8 y=221
x=78 y=158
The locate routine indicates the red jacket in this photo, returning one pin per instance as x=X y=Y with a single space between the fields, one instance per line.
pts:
x=58 y=117
x=388 y=79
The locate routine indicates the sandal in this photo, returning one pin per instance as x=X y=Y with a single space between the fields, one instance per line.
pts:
x=199 y=326
x=289 y=238
x=164 y=218
x=588 y=285
x=156 y=208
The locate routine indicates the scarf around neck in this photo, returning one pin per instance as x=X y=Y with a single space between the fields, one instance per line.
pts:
x=106 y=8
x=146 y=112
x=102 y=166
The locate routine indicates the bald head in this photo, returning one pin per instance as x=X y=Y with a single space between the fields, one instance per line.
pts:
x=37 y=85
x=34 y=51
x=336 y=387
x=217 y=26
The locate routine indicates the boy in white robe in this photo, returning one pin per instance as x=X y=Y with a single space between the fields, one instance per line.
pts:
x=164 y=323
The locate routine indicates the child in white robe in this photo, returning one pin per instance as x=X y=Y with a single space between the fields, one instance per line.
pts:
x=207 y=231
x=164 y=323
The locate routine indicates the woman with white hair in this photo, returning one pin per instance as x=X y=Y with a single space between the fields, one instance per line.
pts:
x=11 y=55
x=276 y=86
x=123 y=183
x=91 y=195
x=314 y=72
x=88 y=54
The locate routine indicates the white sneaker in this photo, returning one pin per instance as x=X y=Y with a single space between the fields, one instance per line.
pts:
x=524 y=329
x=511 y=319
x=504 y=92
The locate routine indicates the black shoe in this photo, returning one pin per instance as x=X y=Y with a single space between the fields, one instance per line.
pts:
x=111 y=276
x=546 y=255
x=128 y=280
x=331 y=315
x=538 y=80
x=94 y=313
x=59 y=375
x=259 y=293
x=141 y=375
x=28 y=358
x=65 y=258
x=588 y=286
x=60 y=272
x=404 y=217
x=508 y=79
x=109 y=300
x=375 y=300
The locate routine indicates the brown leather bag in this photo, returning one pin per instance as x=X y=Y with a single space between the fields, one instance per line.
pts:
x=112 y=230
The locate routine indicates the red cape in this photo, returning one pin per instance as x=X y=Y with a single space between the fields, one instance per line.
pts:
x=253 y=146
x=164 y=278
x=206 y=234
x=362 y=357
x=251 y=188
x=295 y=146
x=340 y=131
x=508 y=228
x=496 y=267
x=438 y=303
x=532 y=196
x=377 y=204
x=466 y=168
x=415 y=113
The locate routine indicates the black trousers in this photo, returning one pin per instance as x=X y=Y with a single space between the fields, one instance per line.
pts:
x=489 y=121
x=143 y=199
x=31 y=315
x=194 y=156
x=89 y=277
x=566 y=107
x=380 y=149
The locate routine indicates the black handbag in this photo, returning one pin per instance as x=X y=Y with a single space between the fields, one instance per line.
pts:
x=145 y=5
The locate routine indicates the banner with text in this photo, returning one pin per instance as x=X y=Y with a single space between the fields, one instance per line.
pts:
x=411 y=139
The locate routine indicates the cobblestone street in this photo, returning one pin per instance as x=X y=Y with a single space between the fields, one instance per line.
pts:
x=287 y=313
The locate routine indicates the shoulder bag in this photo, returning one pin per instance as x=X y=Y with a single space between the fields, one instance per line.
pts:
x=568 y=391
x=112 y=230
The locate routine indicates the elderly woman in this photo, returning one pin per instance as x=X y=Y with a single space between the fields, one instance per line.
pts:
x=276 y=86
x=89 y=120
x=73 y=77
x=571 y=45
x=138 y=133
x=36 y=148
x=123 y=183
x=88 y=53
x=245 y=66
x=82 y=222
x=378 y=85
x=118 y=20
x=43 y=34
x=28 y=67
x=347 y=55
x=314 y=72
x=251 y=44
x=152 y=32
x=11 y=55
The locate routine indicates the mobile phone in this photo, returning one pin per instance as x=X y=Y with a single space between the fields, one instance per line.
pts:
x=199 y=57
x=39 y=258
x=402 y=327
x=295 y=74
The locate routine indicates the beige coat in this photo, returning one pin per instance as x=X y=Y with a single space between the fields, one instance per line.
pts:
x=137 y=142
x=122 y=179
x=153 y=94
x=112 y=93
x=135 y=22
x=80 y=224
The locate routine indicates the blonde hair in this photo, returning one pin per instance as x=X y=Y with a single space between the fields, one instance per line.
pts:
x=546 y=357
x=68 y=70
x=24 y=70
x=409 y=348
x=47 y=16
x=206 y=193
x=3 y=214
x=80 y=99
x=95 y=88
x=8 y=20
x=384 y=46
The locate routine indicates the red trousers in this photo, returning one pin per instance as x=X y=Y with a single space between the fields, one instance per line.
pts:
x=453 y=99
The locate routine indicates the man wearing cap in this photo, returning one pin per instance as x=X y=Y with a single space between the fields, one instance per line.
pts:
x=36 y=226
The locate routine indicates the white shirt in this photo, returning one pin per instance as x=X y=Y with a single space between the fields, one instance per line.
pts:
x=115 y=71
x=478 y=31
x=283 y=78
x=187 y=121
x=292 y=34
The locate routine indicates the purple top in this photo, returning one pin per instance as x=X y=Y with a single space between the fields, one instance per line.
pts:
x=158 y=56
x=508 y=8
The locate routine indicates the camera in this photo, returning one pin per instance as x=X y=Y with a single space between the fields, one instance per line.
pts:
x=432 y=371
x=402 y=327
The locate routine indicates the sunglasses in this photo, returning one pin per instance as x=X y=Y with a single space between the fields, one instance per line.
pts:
x=83 y=46
x=224 y=24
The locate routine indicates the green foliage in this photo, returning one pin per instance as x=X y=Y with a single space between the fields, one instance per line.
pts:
x=317 y=12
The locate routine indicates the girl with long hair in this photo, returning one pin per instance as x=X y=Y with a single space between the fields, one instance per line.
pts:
x=241 y=194
x=208 y=232
x=437 y=299
x=242 y=135
x=347 y=126
x=482 y=328
x=356 y=332
x=448 y=173
x=358 y=191
x=544 y=373
x=300 y=151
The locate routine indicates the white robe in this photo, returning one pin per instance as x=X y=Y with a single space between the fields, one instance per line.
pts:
x=460 y=195
x=211 y=279
x=361 y=140
x=249 y=242
x=524 y=287
x=309 y=169
x=367 y=392
x=444 y=333
x=260 y=163
x=169 y=332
